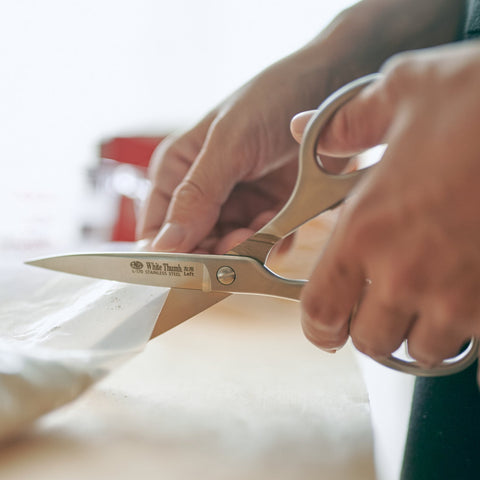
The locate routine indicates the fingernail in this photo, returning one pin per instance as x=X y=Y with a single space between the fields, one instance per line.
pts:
x=170 y=237
x=296 y=129
x=298 y=123
x=330 y=350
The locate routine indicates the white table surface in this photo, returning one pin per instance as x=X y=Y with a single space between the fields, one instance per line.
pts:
x=236 y=392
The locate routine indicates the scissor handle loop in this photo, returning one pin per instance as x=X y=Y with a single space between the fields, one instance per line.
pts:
x=324 y=113
x=316 y=191
x=447 y=367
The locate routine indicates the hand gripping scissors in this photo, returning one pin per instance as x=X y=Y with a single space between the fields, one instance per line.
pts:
x=199 y=281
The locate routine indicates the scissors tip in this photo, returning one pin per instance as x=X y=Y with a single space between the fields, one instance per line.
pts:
x=38 y=262
x=33 y=263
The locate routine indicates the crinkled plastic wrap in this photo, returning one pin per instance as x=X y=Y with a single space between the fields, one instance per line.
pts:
x=60 y=333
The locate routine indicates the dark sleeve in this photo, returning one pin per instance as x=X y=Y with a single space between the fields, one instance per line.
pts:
x=443 y=441
x=472 y=21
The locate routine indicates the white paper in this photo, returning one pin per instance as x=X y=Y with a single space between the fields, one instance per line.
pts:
x=60 y=333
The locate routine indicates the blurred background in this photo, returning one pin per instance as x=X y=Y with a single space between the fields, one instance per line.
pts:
x=79 y=79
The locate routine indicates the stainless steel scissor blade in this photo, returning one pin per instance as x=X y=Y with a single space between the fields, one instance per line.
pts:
x=199 y=281
x=181 y=305
x=205 y=273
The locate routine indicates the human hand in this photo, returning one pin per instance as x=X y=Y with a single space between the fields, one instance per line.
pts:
x=413 y=227
x=219 y=182
x=202 y=181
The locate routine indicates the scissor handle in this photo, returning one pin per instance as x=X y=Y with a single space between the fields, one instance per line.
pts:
x=316 y=190
x=447 y=367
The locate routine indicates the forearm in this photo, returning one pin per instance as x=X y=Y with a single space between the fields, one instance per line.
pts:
x=372 y=30
x=362 y=37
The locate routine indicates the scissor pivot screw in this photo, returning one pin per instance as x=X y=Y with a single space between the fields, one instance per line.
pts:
x=226 y=275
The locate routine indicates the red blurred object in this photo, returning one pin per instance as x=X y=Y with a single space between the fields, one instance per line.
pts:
x=124 y=226
x=134 y=151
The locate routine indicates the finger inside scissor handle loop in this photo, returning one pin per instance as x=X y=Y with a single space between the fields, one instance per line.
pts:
x=447 y=367
x=327 y=110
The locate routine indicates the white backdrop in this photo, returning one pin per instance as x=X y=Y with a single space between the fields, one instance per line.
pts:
x=75 y=72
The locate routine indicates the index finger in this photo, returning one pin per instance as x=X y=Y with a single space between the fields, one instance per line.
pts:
x=168 y=167
x=334 y=288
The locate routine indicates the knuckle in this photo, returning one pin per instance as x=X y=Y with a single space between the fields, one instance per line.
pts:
x=189 y=193
x=168 y=167
x=163 y=151
x=403 y=72
x=399 y=70
x=322 y=316
x=340 y=272
x=374 y=343
x=398 y=64
x=369 y=348
x=424 y=358
x=435 y=345
x=191 y=204
x=406 y=71
x=423 y=351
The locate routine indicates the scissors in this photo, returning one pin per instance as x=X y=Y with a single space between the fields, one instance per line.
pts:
x=198 y=281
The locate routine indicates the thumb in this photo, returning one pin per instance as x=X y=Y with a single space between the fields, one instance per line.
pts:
x=197 y=200
x=360 y=124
